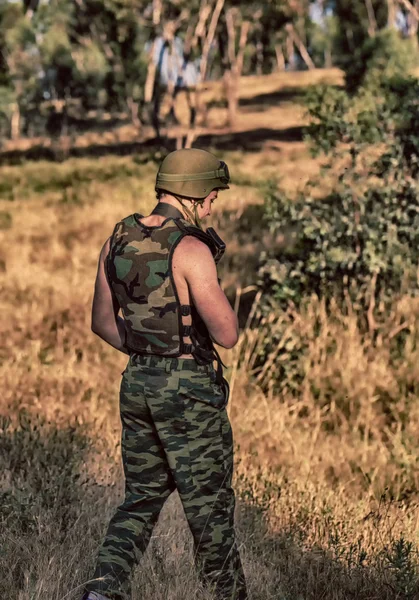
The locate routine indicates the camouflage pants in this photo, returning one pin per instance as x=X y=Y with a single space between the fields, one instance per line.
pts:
x=176 y=434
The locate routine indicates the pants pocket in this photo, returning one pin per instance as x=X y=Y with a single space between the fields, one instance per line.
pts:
x=200 y=386
x=206 y=445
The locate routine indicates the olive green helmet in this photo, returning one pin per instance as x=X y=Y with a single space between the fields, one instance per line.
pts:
x=192 y=173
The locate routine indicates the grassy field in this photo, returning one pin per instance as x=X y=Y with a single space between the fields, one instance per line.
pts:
x=326 y=475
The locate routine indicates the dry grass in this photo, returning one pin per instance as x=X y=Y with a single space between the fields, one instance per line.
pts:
x=327 y=472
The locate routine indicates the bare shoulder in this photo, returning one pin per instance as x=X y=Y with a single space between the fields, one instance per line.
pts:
x=197 y=268
x=192 y=252
x=191 y=244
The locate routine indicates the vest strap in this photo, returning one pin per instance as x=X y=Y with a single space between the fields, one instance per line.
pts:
x=167 y=210
x=209 y=237
x=187 y=330
x=187 y=348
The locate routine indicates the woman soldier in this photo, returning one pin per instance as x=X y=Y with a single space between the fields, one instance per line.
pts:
x=160 y=270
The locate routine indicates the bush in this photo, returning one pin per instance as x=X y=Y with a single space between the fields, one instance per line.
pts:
x=361 y=238
x=356 y=249
x=345 y=242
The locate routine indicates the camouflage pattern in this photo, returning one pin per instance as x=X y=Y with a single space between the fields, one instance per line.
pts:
x=175 y=434
x=140 y=274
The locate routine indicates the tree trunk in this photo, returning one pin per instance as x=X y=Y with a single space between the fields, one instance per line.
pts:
x=391 y=14
x=232 y=75
x=297 y=41
x=290 y=52
x=199 y=108
x=231 y=87
x=259 y=57
x=280 y=59
x=416 y=23
x=413 y=26
x=15 y=122
x=151 y=76
x=372 y=23
x=133 y=108
x=328 y=62
x=150 y=82
x=327 y=55
x=210 y=37
x=242 y=46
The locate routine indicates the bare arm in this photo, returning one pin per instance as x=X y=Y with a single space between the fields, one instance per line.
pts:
x=197 y=266
x=105 y=320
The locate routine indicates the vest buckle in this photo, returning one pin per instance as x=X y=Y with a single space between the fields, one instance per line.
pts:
x=185 y=310
x=187 y=348
x=187 y=330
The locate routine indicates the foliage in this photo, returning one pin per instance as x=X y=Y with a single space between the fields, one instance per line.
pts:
x=322 y=41
x=354 y=26
x=94 y=54
x=365 y=244
x=362 y=237
x=24 y=61
x=401 y=558
x=98 y=51
x=356 y=249
x=380 y=58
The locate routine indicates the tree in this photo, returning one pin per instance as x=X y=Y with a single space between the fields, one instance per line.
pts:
x=106 y=54
x=357 y=21
x=108 y=34
x=22 y=59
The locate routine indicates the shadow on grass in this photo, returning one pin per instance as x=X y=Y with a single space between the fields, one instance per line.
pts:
x=43 y=486
x=251 y=140
x=44 y=464
x=263 y=101
x=336 y=565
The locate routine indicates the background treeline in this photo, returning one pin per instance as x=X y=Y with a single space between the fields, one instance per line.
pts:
x=62 y=58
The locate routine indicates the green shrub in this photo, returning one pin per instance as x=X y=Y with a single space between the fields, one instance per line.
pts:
x=345 y=242
x=356 y=249
x=362 y=237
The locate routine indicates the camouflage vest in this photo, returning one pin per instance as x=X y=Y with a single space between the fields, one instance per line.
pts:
x=139 y=270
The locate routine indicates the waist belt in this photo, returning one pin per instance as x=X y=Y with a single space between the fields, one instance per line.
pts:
x=201 y=348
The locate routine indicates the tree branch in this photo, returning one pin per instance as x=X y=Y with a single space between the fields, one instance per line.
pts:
x=210 y=37
x=372 y=29
x=242 y=46
x=299 y=44
x=231 y=36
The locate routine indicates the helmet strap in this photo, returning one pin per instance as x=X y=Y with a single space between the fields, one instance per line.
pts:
x=194 y=218
x=197 y=219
